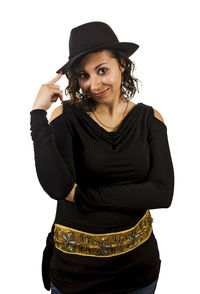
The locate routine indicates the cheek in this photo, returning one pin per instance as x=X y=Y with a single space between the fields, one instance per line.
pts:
x=109 y=80
x=113 y=79
x=83 y=85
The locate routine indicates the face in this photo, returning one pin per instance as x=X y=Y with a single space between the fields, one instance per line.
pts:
x=100 y=72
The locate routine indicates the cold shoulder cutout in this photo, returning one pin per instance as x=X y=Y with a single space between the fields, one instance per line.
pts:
x=56 y=112
x=158 y=115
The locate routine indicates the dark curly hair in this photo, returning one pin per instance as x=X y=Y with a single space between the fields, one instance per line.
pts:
x=129 y=84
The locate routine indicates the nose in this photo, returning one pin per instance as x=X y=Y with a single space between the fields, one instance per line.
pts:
x=95 y=84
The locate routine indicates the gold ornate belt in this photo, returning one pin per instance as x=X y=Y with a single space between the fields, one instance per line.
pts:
x=73 y=241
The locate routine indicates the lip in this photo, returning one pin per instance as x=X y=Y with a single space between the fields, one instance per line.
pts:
x=101 y=93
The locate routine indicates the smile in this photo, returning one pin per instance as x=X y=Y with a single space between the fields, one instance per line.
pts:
x=101 y=93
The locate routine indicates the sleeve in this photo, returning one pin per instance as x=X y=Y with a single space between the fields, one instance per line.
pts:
x=155 y=192
x=53 y=153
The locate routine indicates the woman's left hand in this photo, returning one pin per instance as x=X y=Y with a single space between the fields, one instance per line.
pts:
x=70 y=196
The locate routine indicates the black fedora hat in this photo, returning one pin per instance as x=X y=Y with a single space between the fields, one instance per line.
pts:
x=93 y=36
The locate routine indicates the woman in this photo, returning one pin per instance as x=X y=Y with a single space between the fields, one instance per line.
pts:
x=106 y=160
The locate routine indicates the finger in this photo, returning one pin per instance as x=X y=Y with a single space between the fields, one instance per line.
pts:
x=56 y=90
x=54 y=80
x=53 y=86
x=55 y=98
x=57 y=93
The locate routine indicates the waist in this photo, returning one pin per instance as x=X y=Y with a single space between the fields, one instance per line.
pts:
x=73 y=241
x=98 y=221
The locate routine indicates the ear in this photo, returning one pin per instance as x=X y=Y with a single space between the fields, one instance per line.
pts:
x=124 y=63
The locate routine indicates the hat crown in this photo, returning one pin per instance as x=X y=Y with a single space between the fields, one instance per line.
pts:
x=94 y=36
x=90 y=35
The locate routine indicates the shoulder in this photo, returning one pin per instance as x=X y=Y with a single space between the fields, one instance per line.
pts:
x=153 y=111
x=65 y=108
x=158 y=115
x=56 y=112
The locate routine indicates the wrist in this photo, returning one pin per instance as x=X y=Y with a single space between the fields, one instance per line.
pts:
x=35 y=107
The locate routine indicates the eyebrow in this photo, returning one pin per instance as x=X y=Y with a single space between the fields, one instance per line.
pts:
x=97 y=66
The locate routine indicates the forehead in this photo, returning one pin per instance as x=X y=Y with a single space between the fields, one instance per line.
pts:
x=92 y=59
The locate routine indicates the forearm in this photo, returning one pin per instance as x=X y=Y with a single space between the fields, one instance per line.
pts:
x=148 y=195
x=54 y=175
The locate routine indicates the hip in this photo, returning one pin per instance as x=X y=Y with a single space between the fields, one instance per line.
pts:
x=73 y=241
x=103 y=270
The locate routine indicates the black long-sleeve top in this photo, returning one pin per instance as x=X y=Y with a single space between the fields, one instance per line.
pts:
x=119 y=176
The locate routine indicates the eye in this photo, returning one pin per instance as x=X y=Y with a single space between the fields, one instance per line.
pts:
x=103 y=68
x=81 y=76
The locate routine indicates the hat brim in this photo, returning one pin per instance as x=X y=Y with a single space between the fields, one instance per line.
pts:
x=126 y=47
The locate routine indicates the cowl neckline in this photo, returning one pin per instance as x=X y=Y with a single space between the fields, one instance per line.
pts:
x=126 y=123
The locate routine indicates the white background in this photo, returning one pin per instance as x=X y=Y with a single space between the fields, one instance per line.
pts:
x=34 y=45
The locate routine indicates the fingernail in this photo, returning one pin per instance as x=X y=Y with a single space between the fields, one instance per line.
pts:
x=60 y=71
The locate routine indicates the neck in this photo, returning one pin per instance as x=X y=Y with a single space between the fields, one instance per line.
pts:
x=110 y=109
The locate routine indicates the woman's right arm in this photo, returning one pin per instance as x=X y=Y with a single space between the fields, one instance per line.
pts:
x=54 y=167
x=52 y=143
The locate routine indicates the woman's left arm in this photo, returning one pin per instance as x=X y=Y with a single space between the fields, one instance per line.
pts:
x=156 y=192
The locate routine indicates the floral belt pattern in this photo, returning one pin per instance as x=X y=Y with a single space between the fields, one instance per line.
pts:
x=73 y=241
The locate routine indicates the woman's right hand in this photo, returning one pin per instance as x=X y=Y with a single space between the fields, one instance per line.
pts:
x=48 y=94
